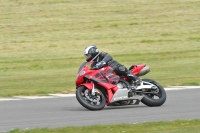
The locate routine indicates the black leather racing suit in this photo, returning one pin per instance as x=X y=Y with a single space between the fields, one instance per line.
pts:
x=118 y=68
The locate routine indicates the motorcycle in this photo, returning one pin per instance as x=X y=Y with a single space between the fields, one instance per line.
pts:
x=96 y=88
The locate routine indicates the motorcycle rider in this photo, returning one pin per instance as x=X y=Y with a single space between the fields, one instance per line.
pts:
x=102 y=59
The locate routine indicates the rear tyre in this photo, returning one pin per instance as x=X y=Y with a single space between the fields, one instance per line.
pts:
x=150 y=100
x=89 y=101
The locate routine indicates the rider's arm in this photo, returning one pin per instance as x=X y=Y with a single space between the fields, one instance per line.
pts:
x=106 y=57
x=103 y=60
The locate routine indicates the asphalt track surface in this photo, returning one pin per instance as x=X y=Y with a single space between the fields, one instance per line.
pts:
x=61 y=112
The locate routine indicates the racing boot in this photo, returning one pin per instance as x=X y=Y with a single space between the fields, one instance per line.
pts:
x=137 y=81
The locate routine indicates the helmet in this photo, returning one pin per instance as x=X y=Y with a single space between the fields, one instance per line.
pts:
x=90 y=52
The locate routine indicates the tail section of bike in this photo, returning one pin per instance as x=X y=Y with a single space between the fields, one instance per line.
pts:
x=140 y=69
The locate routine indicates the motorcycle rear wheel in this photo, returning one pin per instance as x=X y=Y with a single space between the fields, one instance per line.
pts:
x=84 y=97
x=149 y=99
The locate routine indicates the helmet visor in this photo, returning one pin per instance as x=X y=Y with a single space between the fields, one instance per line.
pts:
x=87 y=56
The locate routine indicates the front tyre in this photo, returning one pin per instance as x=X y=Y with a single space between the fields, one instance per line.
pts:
x=154 y=99
x=89 y=101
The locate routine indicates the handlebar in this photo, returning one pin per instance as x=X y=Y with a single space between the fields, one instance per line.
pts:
x=94 y=68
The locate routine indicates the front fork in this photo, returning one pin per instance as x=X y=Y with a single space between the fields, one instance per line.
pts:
x=90 y=86
x=93 y=90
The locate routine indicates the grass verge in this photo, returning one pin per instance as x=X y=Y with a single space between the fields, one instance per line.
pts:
x=42 y=41
x=178 y=126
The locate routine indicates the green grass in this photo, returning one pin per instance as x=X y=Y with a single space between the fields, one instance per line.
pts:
x=178 y=126
x=42 y=41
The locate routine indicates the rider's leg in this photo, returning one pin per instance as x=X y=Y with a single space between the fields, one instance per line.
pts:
x=133 y=77
x=122 y=70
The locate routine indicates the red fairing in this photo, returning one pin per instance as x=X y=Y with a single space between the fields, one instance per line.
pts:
x=137 y=68
x=104 y=77
x=88 y=85
x=111 y=89
x=80 y=76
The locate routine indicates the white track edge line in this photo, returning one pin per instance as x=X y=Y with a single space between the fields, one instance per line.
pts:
x=72 y=95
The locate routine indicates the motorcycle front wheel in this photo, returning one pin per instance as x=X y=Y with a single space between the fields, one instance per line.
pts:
x=89 y=101
x=154 y=99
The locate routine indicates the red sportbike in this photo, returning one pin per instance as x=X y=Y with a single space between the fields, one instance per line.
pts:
x=96 y=88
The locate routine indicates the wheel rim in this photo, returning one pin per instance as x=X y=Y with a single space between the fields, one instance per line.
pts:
x=156 y=94
x=91 y=99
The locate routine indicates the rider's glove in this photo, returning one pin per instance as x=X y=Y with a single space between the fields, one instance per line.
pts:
x=100 y=64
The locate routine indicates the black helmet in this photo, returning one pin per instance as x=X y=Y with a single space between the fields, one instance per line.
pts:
x=90 y=52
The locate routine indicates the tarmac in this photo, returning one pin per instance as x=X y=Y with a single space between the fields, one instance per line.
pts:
x=173 y=88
